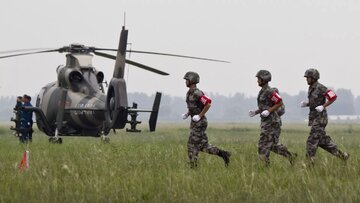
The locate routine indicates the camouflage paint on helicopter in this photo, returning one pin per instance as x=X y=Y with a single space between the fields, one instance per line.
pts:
x=79 y=93
x=84 y=91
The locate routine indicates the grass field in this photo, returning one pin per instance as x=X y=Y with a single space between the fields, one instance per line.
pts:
x=152 y=167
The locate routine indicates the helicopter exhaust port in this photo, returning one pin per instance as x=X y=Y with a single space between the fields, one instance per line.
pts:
x=68 y=77
x=99 y=76
x=75 y=77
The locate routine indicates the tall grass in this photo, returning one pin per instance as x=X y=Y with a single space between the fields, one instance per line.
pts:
x=152 y=167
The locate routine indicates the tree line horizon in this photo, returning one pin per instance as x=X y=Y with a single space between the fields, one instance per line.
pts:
x=232 y=108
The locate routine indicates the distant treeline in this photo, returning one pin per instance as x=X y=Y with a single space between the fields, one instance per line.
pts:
x=232 y=108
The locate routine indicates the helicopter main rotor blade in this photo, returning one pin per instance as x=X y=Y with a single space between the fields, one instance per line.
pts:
x=139 y=65
x=166 y=54
x=24 y=50
x=35 y=52
x=105 y=55
x=176 y=55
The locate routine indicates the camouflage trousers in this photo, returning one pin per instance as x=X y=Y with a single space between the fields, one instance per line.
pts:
x=269 y=141
x=318 y=138
x=198 y=141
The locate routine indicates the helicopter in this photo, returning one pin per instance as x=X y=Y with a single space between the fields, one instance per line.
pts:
x=76 y=104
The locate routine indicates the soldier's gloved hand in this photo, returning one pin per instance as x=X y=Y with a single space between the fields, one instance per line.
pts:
x=265 y=113
x=196 y=118
x=320 y=108
x=185 y=116
x=252 y=113
x=304 y=104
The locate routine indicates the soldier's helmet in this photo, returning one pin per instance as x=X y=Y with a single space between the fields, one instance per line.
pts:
x=265 y=75
x=312 y=72
x=193 y=77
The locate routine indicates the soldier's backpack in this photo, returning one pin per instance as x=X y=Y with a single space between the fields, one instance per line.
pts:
x=281 y=110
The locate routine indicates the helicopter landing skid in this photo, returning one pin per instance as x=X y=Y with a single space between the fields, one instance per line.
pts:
x=103 y=134
x=56 y=139
x=105 y=139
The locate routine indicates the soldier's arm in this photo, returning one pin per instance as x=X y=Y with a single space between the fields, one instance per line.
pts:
x=330 y=98
x=275 y=107
x=206 y=101
x=205 y=109
x=257 y=111
x=277 y=100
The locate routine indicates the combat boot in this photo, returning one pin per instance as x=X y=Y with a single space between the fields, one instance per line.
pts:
x=311 y=161
x=193 y=165
x=264 y=159
x=225 y=155
x=343 y=155
x=292 y=157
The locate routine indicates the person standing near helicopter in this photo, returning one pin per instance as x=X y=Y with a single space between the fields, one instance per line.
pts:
x=17 y=112
x=26 y=121
x=198 y=104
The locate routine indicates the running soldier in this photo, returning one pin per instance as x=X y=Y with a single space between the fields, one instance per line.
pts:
x=198 y=104
x=269 y=104
x=319 y=97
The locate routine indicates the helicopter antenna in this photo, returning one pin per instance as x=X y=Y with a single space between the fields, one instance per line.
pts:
x=124 y=19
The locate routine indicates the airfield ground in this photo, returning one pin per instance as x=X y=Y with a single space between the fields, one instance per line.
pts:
x=152 y=167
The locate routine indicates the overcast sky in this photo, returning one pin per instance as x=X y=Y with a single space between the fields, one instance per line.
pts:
x=283 y=36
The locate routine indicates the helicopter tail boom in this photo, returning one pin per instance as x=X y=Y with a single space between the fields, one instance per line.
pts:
x=120 y=57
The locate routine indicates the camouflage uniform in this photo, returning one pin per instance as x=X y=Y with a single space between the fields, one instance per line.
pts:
x=318 y=122
x=270 y=127
x=198 y=141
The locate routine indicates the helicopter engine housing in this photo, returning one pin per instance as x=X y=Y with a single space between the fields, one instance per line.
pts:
x=84 y=114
